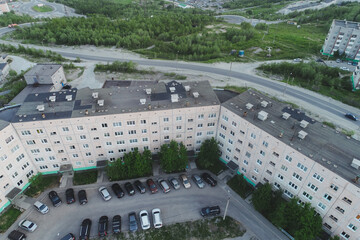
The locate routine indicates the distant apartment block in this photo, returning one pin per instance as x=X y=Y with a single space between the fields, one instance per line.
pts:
x=4 y=8
x=344 y=37
x=267 y=141
x=46 y=74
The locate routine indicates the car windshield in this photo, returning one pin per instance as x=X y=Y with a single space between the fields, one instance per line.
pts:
x=185 y=181
x=42 y=207
x=31 y=225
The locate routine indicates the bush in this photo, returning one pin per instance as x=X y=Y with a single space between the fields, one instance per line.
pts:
x=85 y=177
x=240 y=186
x=39 y=183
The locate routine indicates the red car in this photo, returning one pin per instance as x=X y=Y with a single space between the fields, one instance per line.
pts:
x=152 y=185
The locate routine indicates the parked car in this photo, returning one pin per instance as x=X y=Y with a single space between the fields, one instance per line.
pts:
x=350 y=63
x=55 y=199
x=185 y=181
x=68 y=236
x=104 y=193
x=69 y=195
x=210 y=211
x=354 y=63
x=152 y=185
x=117 y=190
x=85 y=229
x=351 y=116
x=17 y=235
x=297 y=60
x=156 y=218
x=345 y=68
x=164 y=186
x=338 y=60
x=174 y=183
x=129 y=188
x=208 y=179
x=41 y=207
x=199 y=182
x=27 y=225
x=103 y=226
x=140 y=186
x=144 y=220
x=116 y=224
x=82 y=197
x=133 y=225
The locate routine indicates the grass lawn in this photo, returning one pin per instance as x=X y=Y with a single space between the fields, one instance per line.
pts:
x=44 y=8
x=215 y=169
x=8 y=218
x=212 y=229
x=85 y=177
x=41 y=183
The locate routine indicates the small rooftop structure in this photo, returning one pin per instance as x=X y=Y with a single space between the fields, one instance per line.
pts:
x=302 y=134
x=355 y=163
x=304 y=124
x=286 y=115
x=262 y=115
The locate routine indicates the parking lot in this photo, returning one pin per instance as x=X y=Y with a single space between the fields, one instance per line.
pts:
x=176 y=206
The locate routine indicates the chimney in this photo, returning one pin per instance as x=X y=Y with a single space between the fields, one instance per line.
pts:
x=245 y=114
x=86 y=112
x=187 y=103
x=149 y=107
x=43 y=115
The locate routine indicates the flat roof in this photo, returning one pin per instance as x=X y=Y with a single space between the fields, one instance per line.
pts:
x=45 y=69
x=347 y=24
x=328 y=147
x=116 y=100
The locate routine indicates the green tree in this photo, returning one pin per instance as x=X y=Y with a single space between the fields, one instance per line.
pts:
x=209 y=153
x=173 y=157
x=261 y=198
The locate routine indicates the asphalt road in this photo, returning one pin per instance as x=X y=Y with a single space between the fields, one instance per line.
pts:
x=176 y=206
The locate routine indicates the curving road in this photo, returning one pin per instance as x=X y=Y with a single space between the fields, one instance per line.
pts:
x=332 y=107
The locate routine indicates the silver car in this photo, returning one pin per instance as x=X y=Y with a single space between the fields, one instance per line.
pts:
x=104 y=193
x=174 y=183
x=27 y=225
x=41 y=207
x=199 y=182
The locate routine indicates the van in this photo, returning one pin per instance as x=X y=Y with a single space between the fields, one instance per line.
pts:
x=164 y=185
x=16 y=235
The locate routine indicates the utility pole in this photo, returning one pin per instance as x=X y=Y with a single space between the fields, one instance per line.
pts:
x=227 y=204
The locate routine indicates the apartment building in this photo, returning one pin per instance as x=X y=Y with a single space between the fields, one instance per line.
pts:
x=271 y=142
x=344 y=37
x=53 y=132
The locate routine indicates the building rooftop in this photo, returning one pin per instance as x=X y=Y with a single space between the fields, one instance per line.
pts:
x=325 y=145
x=43 y=70
x=347 y=24
x=95 y=102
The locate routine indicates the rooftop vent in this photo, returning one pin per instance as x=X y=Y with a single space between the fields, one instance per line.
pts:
x=262 y=115
x=355 y=163
x=95 y=95
x=174 y=98
x=101 y=102
x=249 y=106
x=68 y=98
x=304 y=123
x=40 y=108
x=52 y=98
x=187 y=88
x=302 y=134
x=196 y=94
x=172 y=89
x=264 y=104
x=142 y=101
x=148 y=91
x=286 y=116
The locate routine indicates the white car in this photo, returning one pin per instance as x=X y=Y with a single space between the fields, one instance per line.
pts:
x=104 y=193
x=156 y=218
x=144 y=219
x=27 y=225
x=185 y=181
x=41 y=207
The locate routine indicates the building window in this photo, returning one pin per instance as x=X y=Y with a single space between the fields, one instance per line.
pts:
x=178 y=127
x=345 y=235
x=288 y=158
x=277 y=185
x=30 y=142
x=321 y=206
x=75 y=155
x=65 y=129
x=80 y=128
x=131 y=132
x=288 y=193
x=212 y=115
x=262 y=152
x=93 y=129
x=312 y=186
x=200 y=125
x=53 y=133
x=21 y=156
x=145 y=139
x=201 y=116
x=166 y=119
x=246 y=162
x=85 y=145
x=225 y=118
x=178 y=118
x=82 y=137
x=106 y=134
x=334 y=187
x=47 y=149
x=9 y=139
x=259 y=162
x=243 y=169
x=252 y=135
x=120 y=142
x=88 y=154
x=327 y=226
x=133 y=140
x=283 y=167
x=340 y=209
x=253 y=178
x=318 y=177
x=104 y=125
x=223 y=127
x=212 y=124
x=40 y=159
x=143 y=131
x=116 y=124
x=35 y=151
x=120 y=133
x=247 y=154
x=352 y=227
x=166 y=137
x=308 y=196
x=333 y=218
x=210 y=133
x=153 y=123
x=272 y=163
x=68 y=138
x=234 y=123
x=26 y=132
x=45 y=141
x=266 y=144
x=108 y=143
x=39 y=131
x=143 y=121
x=51 y=158
x=297 y=176
x=250 y=145
x=302 y=167
x=281 y=177
x=230 y=141
x=275 y=154
x=293 y=185
x=327 y=197
x=222 y=135
x=190 y=120
x=130 y=123
x=347 y=200
x=44 y=167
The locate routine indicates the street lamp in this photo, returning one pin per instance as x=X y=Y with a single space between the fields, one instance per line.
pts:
x=287 y=82
x=227 y=205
